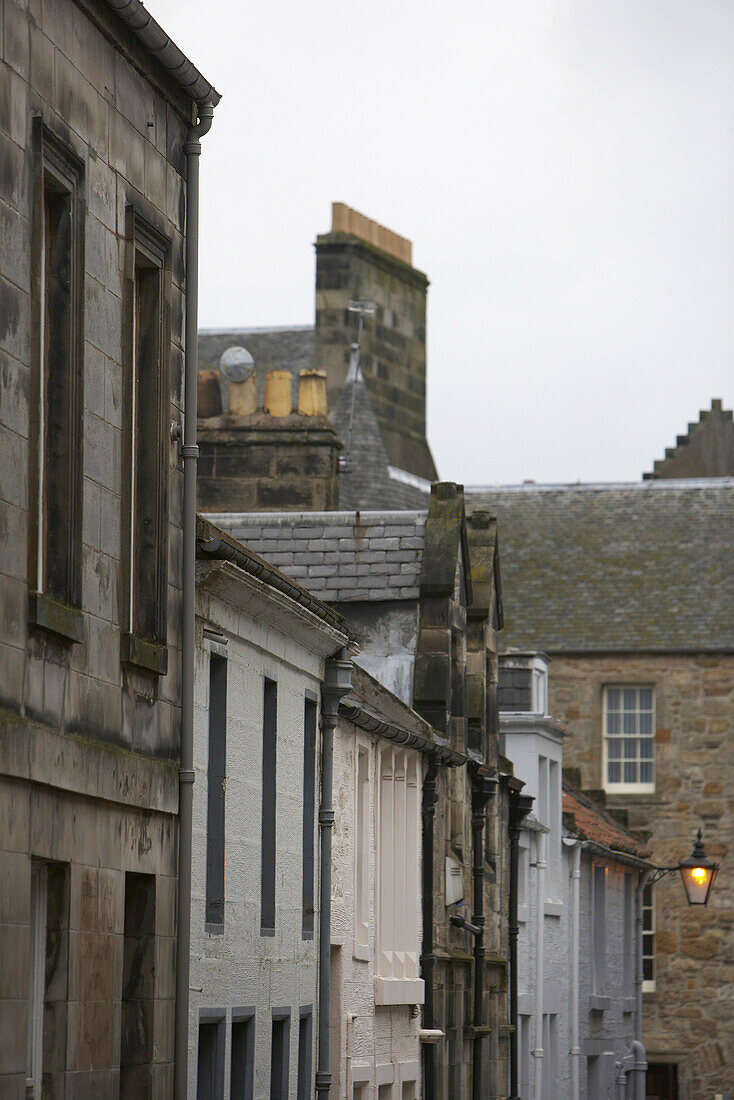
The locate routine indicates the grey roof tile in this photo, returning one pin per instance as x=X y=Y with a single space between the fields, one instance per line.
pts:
x=620 y=568
x=352 y=567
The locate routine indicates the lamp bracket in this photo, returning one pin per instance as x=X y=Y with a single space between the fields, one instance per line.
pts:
x=660 y=872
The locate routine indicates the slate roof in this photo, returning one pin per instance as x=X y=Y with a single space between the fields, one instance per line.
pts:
x=590 y=822
x=646 y=567
x=339 y=556
x=272 y=349
x=365 y=482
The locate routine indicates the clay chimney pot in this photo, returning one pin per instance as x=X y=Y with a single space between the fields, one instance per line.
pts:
x=278 y=392
x=209 y=395
x=312 y=393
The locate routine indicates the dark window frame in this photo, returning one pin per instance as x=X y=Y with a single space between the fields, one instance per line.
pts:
x=215 y=1018
x=308 y=842
x=305 y=1052
x=55 y=604
x=242 y=1074
x=280 y=1060
x=268 y=808
x=145 y=600
x=216 y=795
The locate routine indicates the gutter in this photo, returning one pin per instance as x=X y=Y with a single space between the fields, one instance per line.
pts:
x=155 y=40
x=362 y=718
x=222 y=549
x=189 y=451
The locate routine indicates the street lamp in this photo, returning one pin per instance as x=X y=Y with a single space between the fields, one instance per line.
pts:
x=697 y=872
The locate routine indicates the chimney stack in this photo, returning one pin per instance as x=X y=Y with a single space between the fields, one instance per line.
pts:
x=360 y=259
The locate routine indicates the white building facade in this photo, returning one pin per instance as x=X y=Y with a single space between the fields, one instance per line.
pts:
x=579 y=873
x=380 y=748
x=261 y=658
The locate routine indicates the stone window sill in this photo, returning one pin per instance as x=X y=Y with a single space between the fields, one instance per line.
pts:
x=143 y=654
x=629 y=1004
x=599 y=1004
x=55 y=617
x=553 y=909
x=399 y=991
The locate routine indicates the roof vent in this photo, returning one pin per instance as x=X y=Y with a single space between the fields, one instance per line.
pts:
x=236 y=364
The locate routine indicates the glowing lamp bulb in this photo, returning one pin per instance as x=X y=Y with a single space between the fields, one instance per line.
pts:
x=698 y=874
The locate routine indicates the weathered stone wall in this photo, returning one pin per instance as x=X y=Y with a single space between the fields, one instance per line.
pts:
x=689 y=1019
x=393 y=358
x=87 y=744
x=264 y=463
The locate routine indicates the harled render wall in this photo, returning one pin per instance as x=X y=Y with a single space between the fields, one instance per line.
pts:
x=88 y=747
x=238 y=967
x=692 y=1007
x=373 y=1045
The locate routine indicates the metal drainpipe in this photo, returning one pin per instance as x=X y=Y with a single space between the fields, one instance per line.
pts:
x=428 y=814
x=483 y=787
x=189 y=450
x=575 y=947
x=538 y=1052
x=337 y=682
x=639 y=1068
x=520 y=806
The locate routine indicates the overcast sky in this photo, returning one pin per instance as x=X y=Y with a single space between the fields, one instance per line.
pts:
x=564 y=168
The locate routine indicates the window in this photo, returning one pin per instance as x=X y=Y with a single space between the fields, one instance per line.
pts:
x=48 y=974
x=598 y=929
x=146 y=453
x=138 y=986
x=58 y=245
x=648 y=940
x=242 y=1068
x=309 y=816
x=548 y=813
x=629 y=739
x=630 y=938
x=279 y=1054
x=397 y=956
x=37 y=983
x=362 y=847
x=216 y=785
x=210 y=1062
x=523 y=1053
x=305 y=1042
x=267 y=838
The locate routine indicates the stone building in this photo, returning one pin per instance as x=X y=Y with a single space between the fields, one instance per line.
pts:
x=96 y=107
x=420 y=594
x=264 y=654
x=579 y=890
x=378 y=410
x=630 y=591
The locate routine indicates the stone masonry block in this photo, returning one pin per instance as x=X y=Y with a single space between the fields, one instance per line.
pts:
x=15 y=310
x=15 y=247
x=127 y=154
x=14 y=383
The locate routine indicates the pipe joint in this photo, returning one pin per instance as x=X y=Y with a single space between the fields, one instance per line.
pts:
x=327 y=818
x=190 y=450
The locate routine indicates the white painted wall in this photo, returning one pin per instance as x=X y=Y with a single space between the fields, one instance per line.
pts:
x=534 y=743
x=374 y=1044
x=604 y=1034
x=241 y=967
